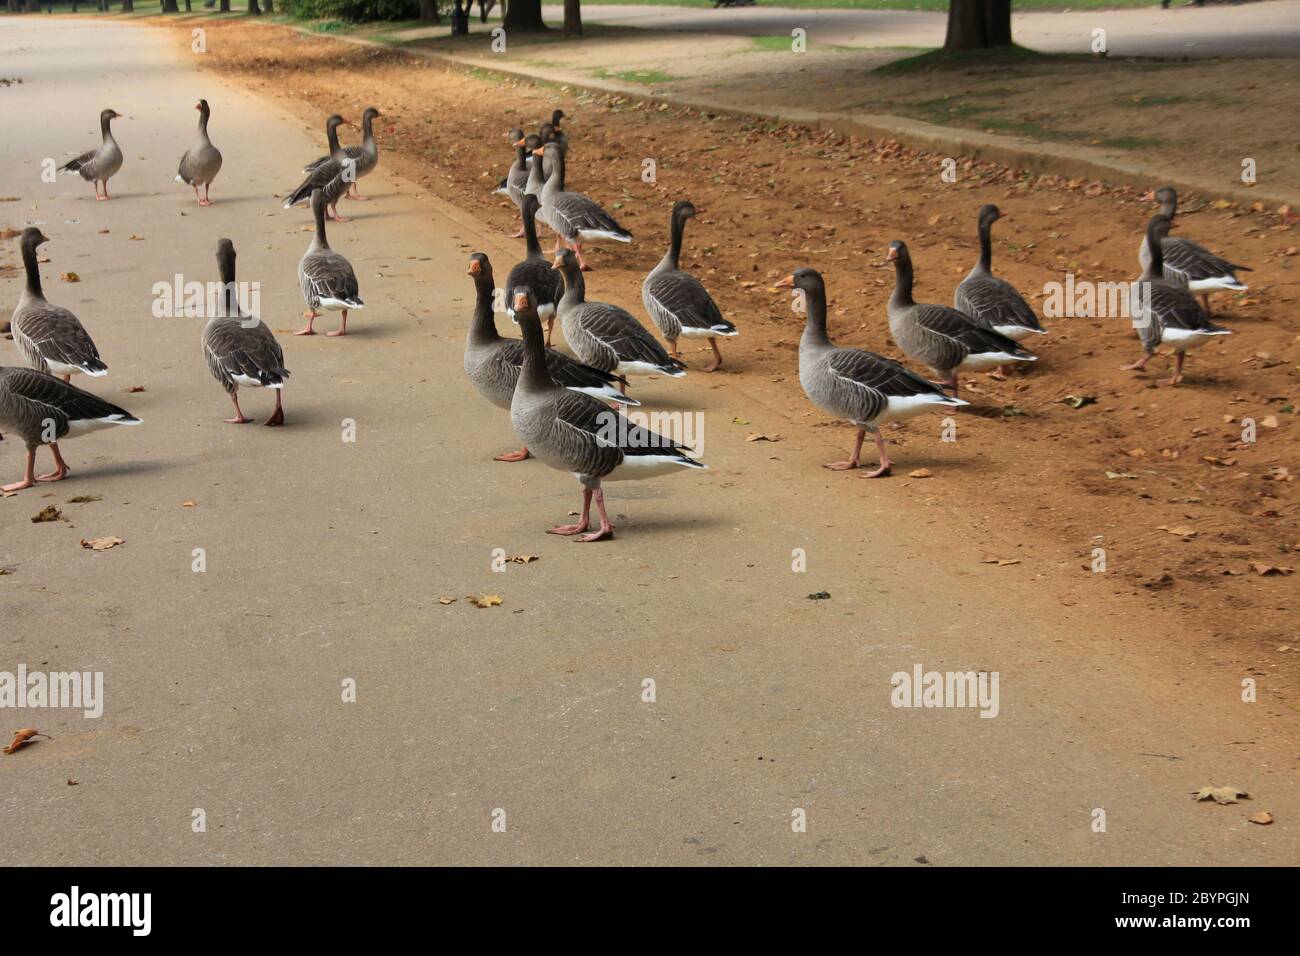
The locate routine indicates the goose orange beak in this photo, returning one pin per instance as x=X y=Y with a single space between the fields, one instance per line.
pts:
x=521 y=302
x=474 y=268
x=891 y=255
x=539 y=152
x=786 y=283
x=558 y=263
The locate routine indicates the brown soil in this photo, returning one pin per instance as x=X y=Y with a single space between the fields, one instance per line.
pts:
x=1028 y=467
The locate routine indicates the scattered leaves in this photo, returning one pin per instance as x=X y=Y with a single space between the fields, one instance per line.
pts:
x=820 y=596
x=1221 y=794
x=483 y=600
x=189 y=504
x=919 y=473
x=23 y=737
x=132 y=390
x=48 y=513
x=101 y=544
x=1112 y=475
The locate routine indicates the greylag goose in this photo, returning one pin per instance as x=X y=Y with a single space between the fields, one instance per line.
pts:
x=356 y=161
x=242 y=350
x=990 y=302
x=1166 y=312
x=1190 y=264
x=337 y=151
x=677 y=301
x=492 y=363
x=536 y=181
x=574 y=217
x=326 y=277
x=535 y=271
x=558 y=135
x=101 y=164
x=51 y=338
x=580 y=434
x=41 y=410
x=202 y=161
x=515 y=186
x=941 y=337
x=867 y=389
x=605 y=336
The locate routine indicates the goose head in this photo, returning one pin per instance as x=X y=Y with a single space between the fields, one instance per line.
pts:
x=683 y=209
x=515 y=135
x=809 y=280
x=480 y=267
x=202 y=107
x=334 y=122
x=523 y=301
x=32 y=237
x=106 y=116
x=990 y=214
x=567 y=264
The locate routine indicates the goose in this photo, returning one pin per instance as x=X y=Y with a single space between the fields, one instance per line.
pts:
x=990 y=302
x=558 y=135
x=1188 y=263
x=867 y=389
x=492 y=363
x=535 y=271
x=99 y=165
x=515 y=185
x=1166 y=312
x=242 y=350
x=337 y=152
x=51 y=338
x=202 y=161
x=574 y=217
x=677 y=301
x=579 y=434
x=326 y=277
x=941 y=337
x=605 y=336
x=537 y=181
x=41 y=409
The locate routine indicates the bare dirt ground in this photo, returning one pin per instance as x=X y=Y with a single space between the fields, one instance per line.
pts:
x=776 y=199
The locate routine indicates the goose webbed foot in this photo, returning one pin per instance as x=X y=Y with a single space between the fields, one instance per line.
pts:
x=61 y=468
x=517 y=235
x=311 y=319
x=583 y=521
x=842 y=465
x=343 y=326
x=999 y=374
x=606 y=530
x=1137 y=366
x=277 y=416
x=886 y=466
x=854 y=459
x=332 y=213
x=240 y=418
x=717 y=357
x=1178 y=368
x=519 y=455
x=29 y=477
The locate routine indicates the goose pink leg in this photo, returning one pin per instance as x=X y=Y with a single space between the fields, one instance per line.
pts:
x=29 y=475
x=61 y=468
x=854 y=458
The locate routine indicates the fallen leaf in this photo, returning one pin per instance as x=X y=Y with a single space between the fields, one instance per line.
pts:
x=820 y=596
x=1263 y=818
x=85 y=499
x=69 y=277
x=446 y=600
x=1268 y=421
x=1265 y=570
x=740 y=421
x=1112 y=475
x=133 y=389
x=23 y=737
x=48 y=513
x=483 y=600
x=1221 y=794
x=524 y=558
x=189 y=504
x=101 y=544
x=1000 y=562
x=758 y=436
x=919 y=473
x=134 y=238
x=1078 y=401
x=1182 y=531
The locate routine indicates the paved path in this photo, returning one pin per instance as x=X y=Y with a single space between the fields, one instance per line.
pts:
x=326 y=559
x=1253 y=29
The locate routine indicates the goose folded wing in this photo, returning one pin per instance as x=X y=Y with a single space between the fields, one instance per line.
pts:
x=1177 y=308
x=992 y=301
x=607 y=435
x=59 y=336
x=1191 y=261
x=616 y=329
x=56 y=399
x=955 y=327
x=74 y=165
x=331 y=277
x=575 y=212
x=684 y=297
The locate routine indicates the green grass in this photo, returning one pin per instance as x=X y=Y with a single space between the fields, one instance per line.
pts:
x=643 y=77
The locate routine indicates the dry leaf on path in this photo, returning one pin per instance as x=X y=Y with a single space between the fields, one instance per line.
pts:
x=1265 y=570
x=23 y=737
x=1221 y=794
x=524 y=558
x=1112 y=475
x=1263 y=818
x=189 y=504
x=69 y=277
x=132 y=390
x=1000 y=562
x=1182 y=530
x=446 y=600
x=48 y=513
x=101 y=544
x=919 y=473
x=759 y=436
x=85 y=499
x=483 y=600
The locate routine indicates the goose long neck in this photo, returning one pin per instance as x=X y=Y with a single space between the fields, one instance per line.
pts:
x=203 y=123
x=814 y=330
x=318 y=210
x=556 y=180
x=902 y=280
x=368 y=129
x=986 y=245
x=531 y=242
x=104 y=129
x=533 y=376
x=483 y=329
x=1168 y=206
x=1156 y=263
x=575 y=287
x=332 y=134
x=33 y=270
x=229 y=299
x=676 y=232
x=521 y=158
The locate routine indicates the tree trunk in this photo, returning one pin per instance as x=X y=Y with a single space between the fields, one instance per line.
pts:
x=224 y=6
x=524 y=16
x=978 y=24
x=572 y=18
x=128 y=6
x=429 y=11
x=253 y=9
x=188 y=8
x=270 y=6
x=169 y=6
x=33 y=6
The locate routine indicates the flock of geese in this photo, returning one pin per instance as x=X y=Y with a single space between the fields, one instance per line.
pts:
x=568 y=410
